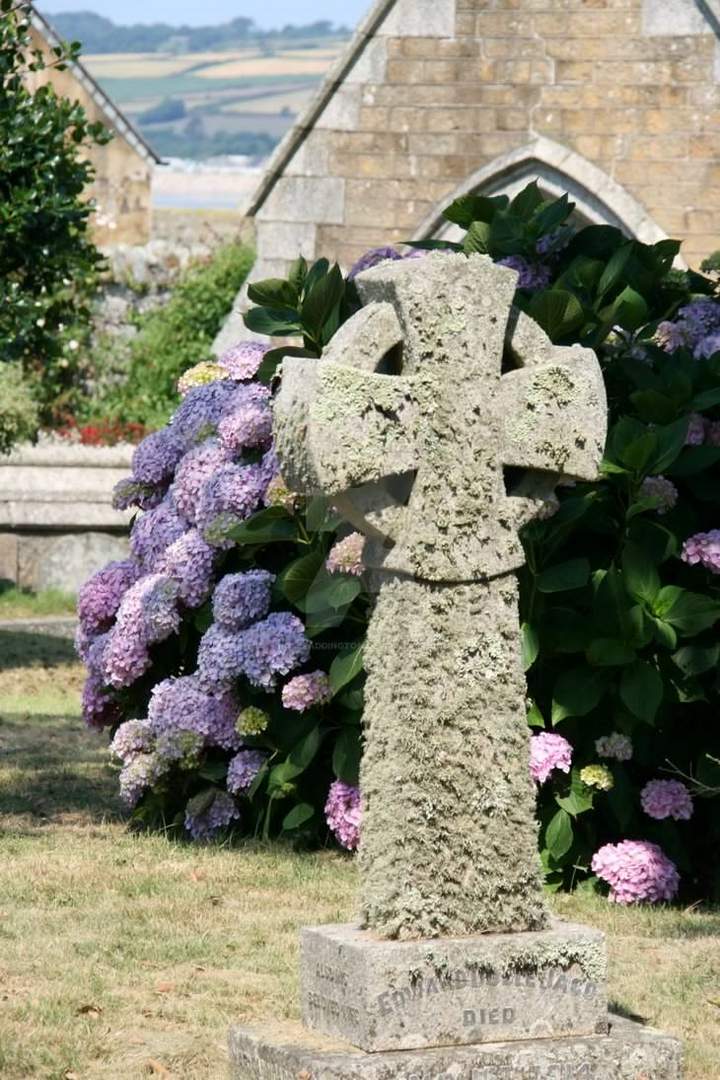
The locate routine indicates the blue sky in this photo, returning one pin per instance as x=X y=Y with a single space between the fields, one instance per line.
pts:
x=266 y=13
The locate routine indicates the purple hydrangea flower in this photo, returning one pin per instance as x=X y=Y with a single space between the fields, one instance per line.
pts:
x=712 y=433
x=219 y=658
x=343 y=813
x=703 y=548
x=531 y=275
x=100 y=708
x=662 y=489
x=671 y=336
x=125 y=656
x=636 y=871
x=250 y=422
x=182 y=704
x=195 y=469
x=200 y=412
x=243 y=360
x=155 y=458
x=707 y=346
x=203 y=821
x=662 y=799
x=236 y=490
x=190 y=563
x=149 y=609
x=696 y=430
x=700 y=317
x=155 y=531
x=273 y=647
x=616 y=746
x=243 y=769
x=140 y=772
x=345 y=557
x=131 y=738
x=100 y=596
x=304 y=691
x=241 y=599
x=373 y=258
x=549 y=751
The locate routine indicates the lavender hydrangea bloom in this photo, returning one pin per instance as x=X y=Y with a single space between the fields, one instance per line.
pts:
x=149 y=608
x=616 y=746
x=250 y=422
x=100 y=708
x=219 y=658
x=203 y=821
x=139 y=774
x=696 y=430
x=343 y=813
x=662 y=489
x=190 y=562
x=232 y=489
x=671 y=336
x=304 y=691
x=373 y=258
x=700 y=317
x=707 y=346
x=549 y=751
x=241 y=599
x=243 y=360
x=131 y=738
x=125 y=656
x=100 y=596
x=636 y=871
x=531 y=275
x=703 y=548
x=182 y=704
x=200 y=412
x=243 y=769
x=155 y=531
x=155 y=458
x=273 y=647
x=193 y=472
x=662 y=799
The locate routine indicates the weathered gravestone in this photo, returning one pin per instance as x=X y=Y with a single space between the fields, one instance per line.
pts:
x=440 y=389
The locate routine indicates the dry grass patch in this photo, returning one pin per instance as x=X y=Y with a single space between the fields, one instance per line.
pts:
x=118 y=950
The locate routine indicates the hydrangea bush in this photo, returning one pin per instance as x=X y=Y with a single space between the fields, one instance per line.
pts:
x=226 y=654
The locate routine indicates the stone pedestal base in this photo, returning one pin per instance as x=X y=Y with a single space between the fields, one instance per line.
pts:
x=290 y=1052
x=408 y=995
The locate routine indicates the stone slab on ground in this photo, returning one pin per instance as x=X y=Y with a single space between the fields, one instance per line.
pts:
x=406 y=995
x=289 y=1052
x=62 y=626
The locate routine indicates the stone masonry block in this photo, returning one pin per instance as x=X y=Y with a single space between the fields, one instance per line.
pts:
x=383 y=995
x=286 y=1052
x=420 y=18
x=301 y=198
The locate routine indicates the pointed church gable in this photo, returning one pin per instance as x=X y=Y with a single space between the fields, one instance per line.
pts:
x=435 y=96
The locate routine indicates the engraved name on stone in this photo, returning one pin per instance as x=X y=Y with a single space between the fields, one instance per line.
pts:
x=322 y=1005
x=556 y=982
x=499 y=1071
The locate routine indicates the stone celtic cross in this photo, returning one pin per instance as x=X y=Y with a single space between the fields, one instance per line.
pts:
x=415 y=422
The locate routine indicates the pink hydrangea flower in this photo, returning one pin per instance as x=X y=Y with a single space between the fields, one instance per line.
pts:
x=549 y=751
x=243 y=360
x=304 y=691
x=345 y=557
x=667 y=799
x=703 y=548
x=343 y=814
x=636 y=871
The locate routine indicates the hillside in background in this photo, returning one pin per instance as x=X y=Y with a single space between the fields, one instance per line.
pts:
x=200 y=92
x=101 y=35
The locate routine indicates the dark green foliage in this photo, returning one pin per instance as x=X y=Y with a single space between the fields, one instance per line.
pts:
x=47 y=259
x=172 y=338
x=619 y=634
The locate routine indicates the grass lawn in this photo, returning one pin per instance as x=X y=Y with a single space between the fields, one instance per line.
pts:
x=22 y=604
x=126 y=956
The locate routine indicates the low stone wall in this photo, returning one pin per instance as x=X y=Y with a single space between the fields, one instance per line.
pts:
x=57 y=522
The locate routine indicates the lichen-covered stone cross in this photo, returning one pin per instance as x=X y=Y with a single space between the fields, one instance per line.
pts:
x=421 y=411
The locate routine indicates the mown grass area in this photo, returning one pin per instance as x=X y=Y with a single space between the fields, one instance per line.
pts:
x=22 y=604
x=127 y=955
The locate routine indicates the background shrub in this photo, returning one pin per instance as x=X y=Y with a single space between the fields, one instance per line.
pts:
x=18 y=409
x=47 y=259
x=619 y=597
x=143 y=374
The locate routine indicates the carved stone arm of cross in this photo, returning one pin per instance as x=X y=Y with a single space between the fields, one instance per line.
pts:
x=440 y=380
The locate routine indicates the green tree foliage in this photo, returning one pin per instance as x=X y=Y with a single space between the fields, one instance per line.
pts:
x=18 y=408
x=174 y=337
x=47 y=258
